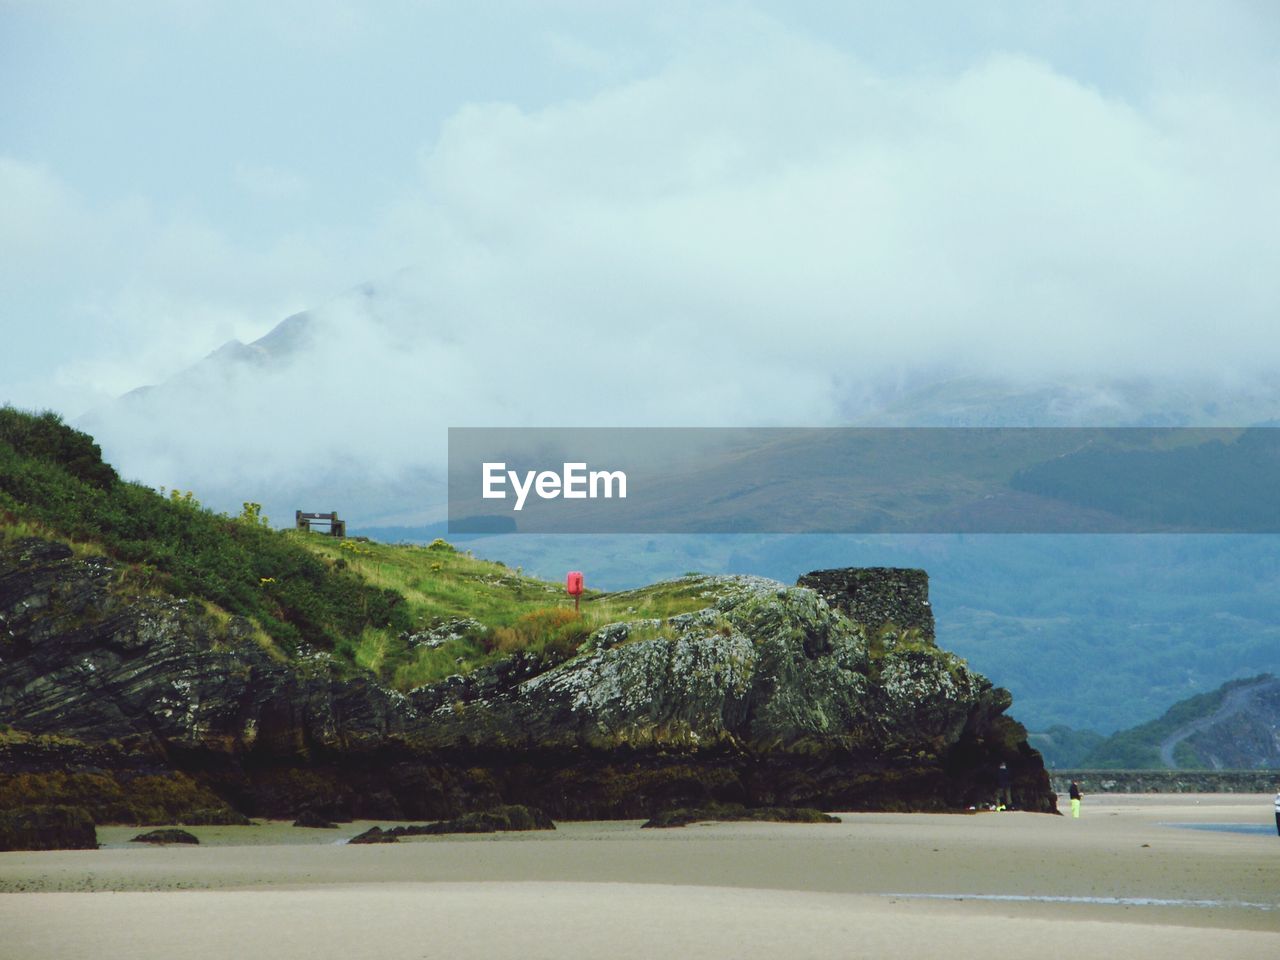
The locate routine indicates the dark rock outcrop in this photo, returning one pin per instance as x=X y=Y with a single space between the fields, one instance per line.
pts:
x=766 y=697
x=736 y=813
x=309 y=818
x=166 y=836
x=514 y=817
x=43 y=827
x=509 y=817
x=769 y=696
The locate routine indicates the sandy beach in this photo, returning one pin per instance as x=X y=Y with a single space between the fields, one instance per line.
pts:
x=1125 y=877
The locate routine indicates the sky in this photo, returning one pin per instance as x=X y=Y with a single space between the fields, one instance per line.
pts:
x=622 y=213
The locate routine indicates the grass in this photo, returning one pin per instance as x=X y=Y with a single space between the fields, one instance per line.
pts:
x=53 y=482
x=408 y=614
x=657 y=601
x=437 y=582
x=227 y=635
x=507 y=612
x=13 y=528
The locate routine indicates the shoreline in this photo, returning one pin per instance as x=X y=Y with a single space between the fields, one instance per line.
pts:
x=1124 y=876
x=557 y=920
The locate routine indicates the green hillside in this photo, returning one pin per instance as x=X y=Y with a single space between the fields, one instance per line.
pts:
x=409 y=614
x=466 y=612
x=53 y=480
x=1195 y=728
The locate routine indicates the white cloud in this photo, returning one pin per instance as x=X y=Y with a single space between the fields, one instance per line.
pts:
x=1007 y=218
x=100 y=300
x=40 y=213
x=764 y=230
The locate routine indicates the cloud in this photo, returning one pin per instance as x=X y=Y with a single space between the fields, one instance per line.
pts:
x=788 y=205
x=102 y=299
x=763 y=229
x=40 y=213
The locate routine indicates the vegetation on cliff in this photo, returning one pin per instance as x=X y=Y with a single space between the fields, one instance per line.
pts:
x=410 y=615
x=52 y=478
x=282 y=670
x=467 y=612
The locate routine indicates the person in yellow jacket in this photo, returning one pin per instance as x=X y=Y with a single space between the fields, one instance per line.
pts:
x=1076 y=796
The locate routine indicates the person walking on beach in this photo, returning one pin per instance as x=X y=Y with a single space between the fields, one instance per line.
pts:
x=1005 y=800
x=1278 y=808
x=1075 y=800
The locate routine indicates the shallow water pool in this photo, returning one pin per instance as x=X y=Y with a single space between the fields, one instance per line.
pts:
x=1261 y=829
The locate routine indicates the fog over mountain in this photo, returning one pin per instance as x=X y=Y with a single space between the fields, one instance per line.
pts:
x=349 y=404
x=746 y=216
x=766 y=214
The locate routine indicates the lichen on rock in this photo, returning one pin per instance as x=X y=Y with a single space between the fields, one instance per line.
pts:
x=766 y=695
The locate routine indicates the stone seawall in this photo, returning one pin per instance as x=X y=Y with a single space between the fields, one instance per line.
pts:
x=1166 y=781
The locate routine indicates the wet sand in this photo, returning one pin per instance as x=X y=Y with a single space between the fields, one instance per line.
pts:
x=879 y=885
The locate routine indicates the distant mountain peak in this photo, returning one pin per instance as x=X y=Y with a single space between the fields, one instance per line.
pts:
x=290 y=335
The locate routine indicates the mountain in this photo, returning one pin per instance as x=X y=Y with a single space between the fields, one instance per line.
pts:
x=347 y=405
x=1235 y=727
x=166 y=662
x=287 y=421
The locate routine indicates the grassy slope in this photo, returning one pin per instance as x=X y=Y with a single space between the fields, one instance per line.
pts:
x=52 y=478
x=409 y=614
x=471 y=611
x=373 y=605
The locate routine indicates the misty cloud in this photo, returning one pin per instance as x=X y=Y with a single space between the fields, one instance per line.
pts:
x=761 y=228
x=1007 y=218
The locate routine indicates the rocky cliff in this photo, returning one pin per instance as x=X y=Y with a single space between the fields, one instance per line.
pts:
x=769 y=695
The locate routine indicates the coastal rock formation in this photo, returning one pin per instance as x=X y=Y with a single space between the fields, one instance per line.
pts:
x=148 y=711
x=736 y=813
x=309 y=818
x=113 y=782
x=768 y=696
x=512 y=817
x=375 y=835
x=166 y=836
x=45 y=827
